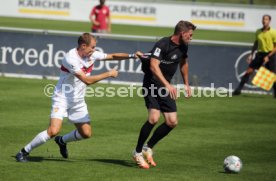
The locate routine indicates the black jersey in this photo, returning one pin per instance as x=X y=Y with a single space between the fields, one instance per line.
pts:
x=169 y=54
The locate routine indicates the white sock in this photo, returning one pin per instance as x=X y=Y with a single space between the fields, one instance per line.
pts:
x=37 y=141
x=72 y=136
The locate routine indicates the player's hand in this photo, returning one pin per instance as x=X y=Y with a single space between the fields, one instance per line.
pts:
x=108 y=30
x=249 y=59
x=173 y=91
x=188 y=91
x=96 y=23
x=113 y=73
x=266 y=59
x=138 y=54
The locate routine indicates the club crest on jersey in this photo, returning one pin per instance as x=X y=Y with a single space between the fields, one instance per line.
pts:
x=157 y=52
x=56 y=109
x=174 y=57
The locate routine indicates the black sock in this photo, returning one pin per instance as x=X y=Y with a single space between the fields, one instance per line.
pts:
x=60 y=140
x=244 y=80
x=144 y=134
x=158 y=134
x=24 y=151
x=274 y=89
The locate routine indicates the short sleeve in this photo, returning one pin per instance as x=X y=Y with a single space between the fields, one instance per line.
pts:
x=98 y=55
x=184 y=49
x=108 y=11
x=93 y=11
x=256 y=34
x=274 y=36
x=159 y=50
x=71 y=64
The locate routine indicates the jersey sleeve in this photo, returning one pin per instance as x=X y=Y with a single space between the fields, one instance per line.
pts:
x=159 y=50
x=108 y=12
x=256 y=34
x=184 y=49
x=98 y=55
x=274 y=36
x=93 y=11
x=71 y=64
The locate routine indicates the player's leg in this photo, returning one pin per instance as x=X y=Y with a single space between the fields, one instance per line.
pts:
x=271 y=66
x=164 y=129
x=160 y=132
x=53 y=129
x=274 y=89
x=168 y=108
x=59 y=109
x=255 y=64
x=243 y=81
x=77 y=114
x=153 y=107
x=83 y=131
x=153 y=117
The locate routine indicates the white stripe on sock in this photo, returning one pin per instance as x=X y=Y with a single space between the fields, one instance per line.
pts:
x=37 y=141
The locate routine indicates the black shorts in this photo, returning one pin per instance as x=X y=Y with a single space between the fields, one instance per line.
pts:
x=158 y=98
x=259 y=60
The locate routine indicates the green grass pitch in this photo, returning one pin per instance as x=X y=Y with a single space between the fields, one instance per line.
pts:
x=124 y=29
x=209 y=130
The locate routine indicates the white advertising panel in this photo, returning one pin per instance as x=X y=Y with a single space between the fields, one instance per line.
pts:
x=235 y=18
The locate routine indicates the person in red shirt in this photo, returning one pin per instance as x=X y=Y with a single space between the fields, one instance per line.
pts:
x=100 y=18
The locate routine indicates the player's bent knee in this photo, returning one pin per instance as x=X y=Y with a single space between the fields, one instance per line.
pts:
x=153 y=120
x=86 y=134
x=250 y=71
x=172 y=123
x=52 y=132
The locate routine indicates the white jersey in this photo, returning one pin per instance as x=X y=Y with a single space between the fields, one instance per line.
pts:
x=69 y=87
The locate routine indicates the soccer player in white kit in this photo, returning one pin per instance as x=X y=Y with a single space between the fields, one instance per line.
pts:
x=68 y=99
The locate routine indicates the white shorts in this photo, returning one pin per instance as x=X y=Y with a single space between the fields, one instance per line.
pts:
x=76 y=111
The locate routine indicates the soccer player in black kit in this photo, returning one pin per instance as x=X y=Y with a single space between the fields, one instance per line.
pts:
x=159 y=68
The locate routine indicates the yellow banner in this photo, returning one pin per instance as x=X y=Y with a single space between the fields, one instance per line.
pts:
x=134 y=18
x=223 y=23
x=43 y=12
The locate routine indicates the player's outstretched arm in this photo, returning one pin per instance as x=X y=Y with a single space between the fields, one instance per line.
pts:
x=121 y=56
x=95 y=78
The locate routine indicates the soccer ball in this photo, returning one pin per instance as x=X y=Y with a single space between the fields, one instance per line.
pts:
x=232 y=164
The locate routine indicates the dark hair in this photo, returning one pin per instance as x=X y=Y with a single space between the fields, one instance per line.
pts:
x=269 y=17
x=183 y=26
x=85 y=38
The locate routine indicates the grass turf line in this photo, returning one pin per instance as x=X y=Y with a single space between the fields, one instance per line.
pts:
x=124 y=29
x=209 y=130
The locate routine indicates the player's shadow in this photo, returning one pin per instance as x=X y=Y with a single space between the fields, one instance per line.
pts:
x=249 y=96
x=125 y=163
x=223 y=172
x=41 y=159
